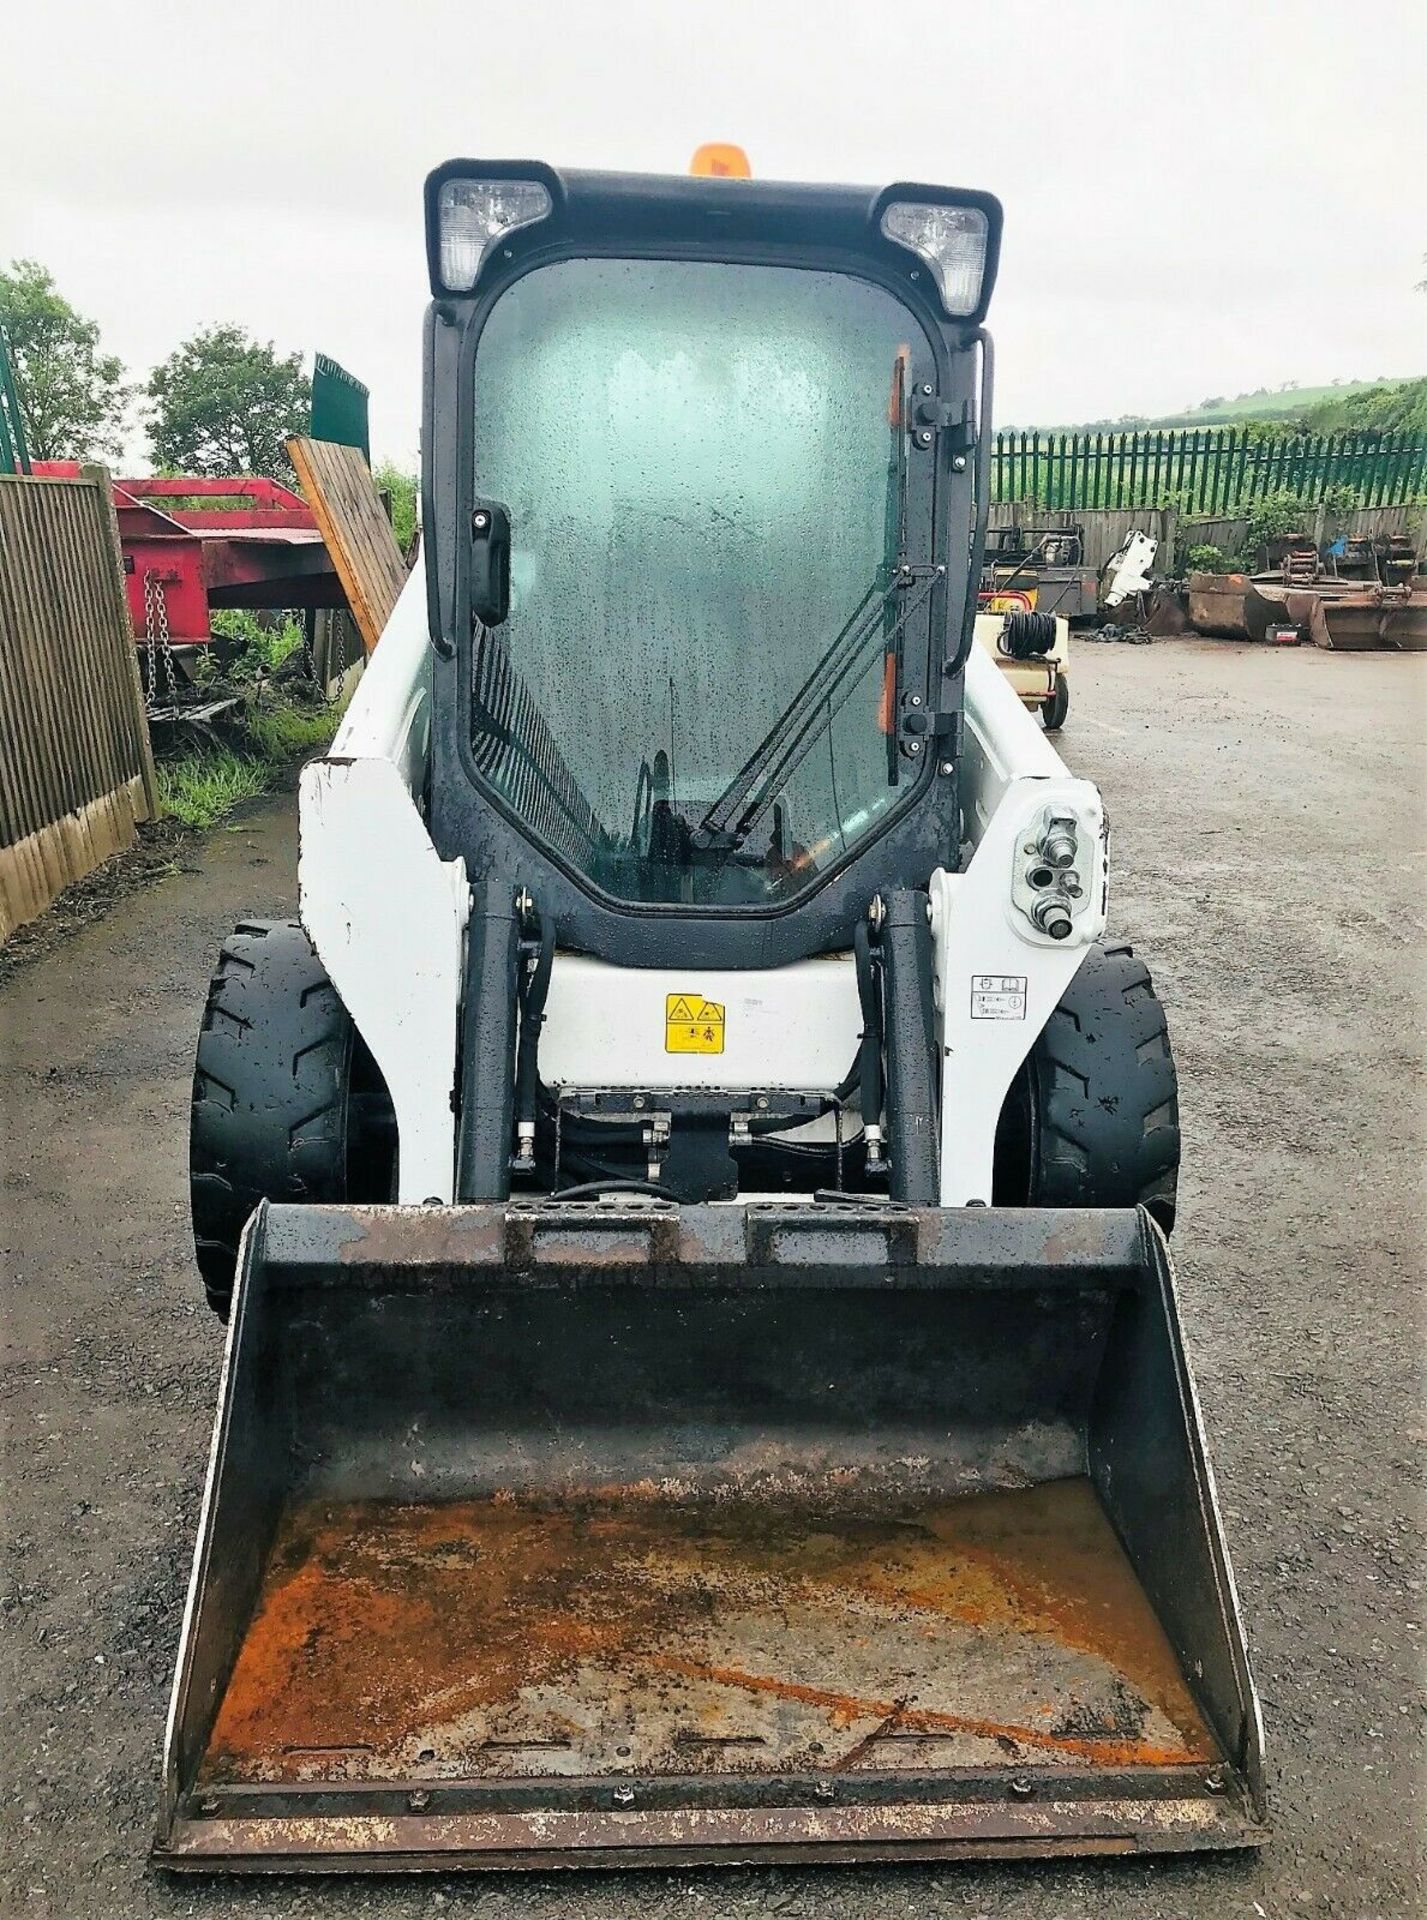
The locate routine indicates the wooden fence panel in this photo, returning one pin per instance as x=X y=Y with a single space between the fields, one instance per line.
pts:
x=76 y=771
x=1228 y=532
x=1379 y=521
x=1105 y=529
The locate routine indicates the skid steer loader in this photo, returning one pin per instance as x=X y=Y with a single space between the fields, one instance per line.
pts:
x=703 y=1374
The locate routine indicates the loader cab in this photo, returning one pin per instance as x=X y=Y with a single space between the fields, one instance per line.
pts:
x=700 y=460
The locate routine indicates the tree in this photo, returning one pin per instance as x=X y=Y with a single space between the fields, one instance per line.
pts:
x=72 y=396
x=401 y=488
x=223 y=403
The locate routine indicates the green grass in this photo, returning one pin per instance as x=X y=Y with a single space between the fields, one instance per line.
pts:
x=283 y=733
x=203 y=787
x=270 y=728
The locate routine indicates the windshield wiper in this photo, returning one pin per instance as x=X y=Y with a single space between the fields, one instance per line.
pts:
x=810 y=713
x=727 y=823
x=720 y=825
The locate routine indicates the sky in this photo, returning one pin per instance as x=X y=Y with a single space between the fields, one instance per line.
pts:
x=1201 y=198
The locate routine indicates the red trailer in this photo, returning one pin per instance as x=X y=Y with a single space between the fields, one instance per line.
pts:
x=193 y=544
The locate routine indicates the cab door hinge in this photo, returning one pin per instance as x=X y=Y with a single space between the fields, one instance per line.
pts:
x=926 y=728
x=932 y=415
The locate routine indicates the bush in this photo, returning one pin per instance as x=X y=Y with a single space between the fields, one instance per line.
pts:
x=1392 y=406
x=1271 y=518
x=249 y=648
x=1207 y=558
x=401 y=490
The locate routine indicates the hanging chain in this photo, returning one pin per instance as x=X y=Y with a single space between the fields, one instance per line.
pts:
x=336 y=645
x=157 y=644
x=150 y=646
x=309 y=658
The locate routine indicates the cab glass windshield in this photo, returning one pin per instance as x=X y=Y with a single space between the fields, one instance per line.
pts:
x=693 y=698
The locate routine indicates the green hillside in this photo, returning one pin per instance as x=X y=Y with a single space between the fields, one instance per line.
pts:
x=1394 y=406
x=1263 y=404
x=1386 y=405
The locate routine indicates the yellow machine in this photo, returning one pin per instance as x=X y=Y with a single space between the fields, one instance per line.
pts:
x=1033 y=651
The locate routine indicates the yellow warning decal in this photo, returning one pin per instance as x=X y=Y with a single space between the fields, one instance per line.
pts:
x=692 y=1024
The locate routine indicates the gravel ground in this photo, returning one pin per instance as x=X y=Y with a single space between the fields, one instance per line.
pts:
x=1271 y=863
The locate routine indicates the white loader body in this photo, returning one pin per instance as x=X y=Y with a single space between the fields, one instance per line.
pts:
x=387 y=917
x=680 y=848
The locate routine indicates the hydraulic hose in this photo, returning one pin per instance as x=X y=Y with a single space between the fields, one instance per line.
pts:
x=870 y=1059
x=527 y=1079
x=590 y=1189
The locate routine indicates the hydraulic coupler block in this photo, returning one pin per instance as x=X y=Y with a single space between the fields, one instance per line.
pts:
x=1059 y=868
x=1060 y=841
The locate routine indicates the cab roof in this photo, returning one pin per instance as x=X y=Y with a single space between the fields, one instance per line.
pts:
x=706 y=212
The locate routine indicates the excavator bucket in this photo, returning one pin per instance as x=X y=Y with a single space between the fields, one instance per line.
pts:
x=553 y=1534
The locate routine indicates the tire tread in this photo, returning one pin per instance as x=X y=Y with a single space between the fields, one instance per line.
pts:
x=1100 y=1095
x=269 y=1110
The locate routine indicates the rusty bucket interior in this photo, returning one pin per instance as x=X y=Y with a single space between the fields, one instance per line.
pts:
x=639 y=1534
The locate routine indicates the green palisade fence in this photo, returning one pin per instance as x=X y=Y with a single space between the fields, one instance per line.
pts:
x=1207 y=470
x=14 y=455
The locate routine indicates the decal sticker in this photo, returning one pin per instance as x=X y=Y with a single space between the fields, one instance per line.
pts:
x=998 y=996
x=692 y=1024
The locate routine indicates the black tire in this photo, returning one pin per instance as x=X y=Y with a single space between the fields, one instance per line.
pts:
x=1092 y=1118
x=1058 y=706
x=287 y=1102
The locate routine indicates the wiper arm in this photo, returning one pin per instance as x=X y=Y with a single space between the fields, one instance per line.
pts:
x=811 y=711
x=716 y=828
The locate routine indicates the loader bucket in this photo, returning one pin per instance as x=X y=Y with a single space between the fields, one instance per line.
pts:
x=591 y=1534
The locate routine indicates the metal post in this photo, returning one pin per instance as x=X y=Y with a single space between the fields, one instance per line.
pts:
x=13 y=451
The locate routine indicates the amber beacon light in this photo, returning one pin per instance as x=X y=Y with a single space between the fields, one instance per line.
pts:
x=721 y=160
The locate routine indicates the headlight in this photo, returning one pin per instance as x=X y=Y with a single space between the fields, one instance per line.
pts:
x=473 y=215
x=952 y=241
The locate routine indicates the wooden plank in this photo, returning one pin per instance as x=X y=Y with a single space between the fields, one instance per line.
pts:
x=338 y=487
x=128 y=688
